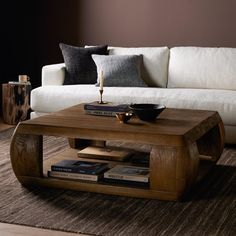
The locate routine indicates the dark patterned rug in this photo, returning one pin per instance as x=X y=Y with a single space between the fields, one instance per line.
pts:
x=209 y=210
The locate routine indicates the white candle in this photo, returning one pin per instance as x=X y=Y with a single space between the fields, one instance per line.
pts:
x=101 y=80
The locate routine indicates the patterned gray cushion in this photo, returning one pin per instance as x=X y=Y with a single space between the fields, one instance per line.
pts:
x=119 y=70
x=80 y=67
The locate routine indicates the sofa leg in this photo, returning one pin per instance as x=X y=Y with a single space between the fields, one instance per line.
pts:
x=82 y=143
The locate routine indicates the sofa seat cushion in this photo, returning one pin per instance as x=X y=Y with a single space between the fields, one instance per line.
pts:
x=199 y=67
x=53 y=98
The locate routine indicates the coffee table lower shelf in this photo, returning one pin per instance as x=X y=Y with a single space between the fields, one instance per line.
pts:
x=101 y=187
x=97 y=188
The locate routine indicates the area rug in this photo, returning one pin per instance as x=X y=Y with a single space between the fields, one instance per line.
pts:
x=210 y=208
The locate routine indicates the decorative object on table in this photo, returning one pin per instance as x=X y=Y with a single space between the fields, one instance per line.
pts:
x=15 y=101
x=124 y=117
x=23 y=78
x=101 y=82
x=106 y=109
x=130 y=173
x=147 y=112
x=106 y=153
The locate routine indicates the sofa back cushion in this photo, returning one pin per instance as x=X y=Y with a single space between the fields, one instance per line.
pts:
x=155 y=63
x=198 y=67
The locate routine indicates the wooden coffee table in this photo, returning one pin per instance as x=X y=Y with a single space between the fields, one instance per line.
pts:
x=181 y=139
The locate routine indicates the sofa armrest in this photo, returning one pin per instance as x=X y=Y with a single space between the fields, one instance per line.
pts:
x=53 y=74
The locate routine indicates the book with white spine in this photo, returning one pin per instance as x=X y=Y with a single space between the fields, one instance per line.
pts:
x=100 y=113
x=130 y=173
x=69 y=175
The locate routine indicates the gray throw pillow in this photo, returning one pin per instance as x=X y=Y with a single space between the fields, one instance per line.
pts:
x=80 y=67
x=119 y=70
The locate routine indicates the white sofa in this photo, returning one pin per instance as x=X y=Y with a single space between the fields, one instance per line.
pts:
x=180 y=77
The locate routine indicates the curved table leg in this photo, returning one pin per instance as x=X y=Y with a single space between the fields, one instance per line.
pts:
x=173 y=169
x=212 y=143
x=26 y=154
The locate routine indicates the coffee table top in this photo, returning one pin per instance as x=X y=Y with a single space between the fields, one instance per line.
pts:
x=173 y=126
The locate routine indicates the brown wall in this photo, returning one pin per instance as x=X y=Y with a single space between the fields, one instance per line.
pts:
x=32 y=30
x=158 y=22
x=132 y=23
x=58 y=21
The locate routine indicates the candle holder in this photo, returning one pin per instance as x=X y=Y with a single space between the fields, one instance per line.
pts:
x=101 y=101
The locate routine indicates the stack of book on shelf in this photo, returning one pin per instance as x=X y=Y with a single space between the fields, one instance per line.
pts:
x=107 y=109
x=104 y=153
x=125 y=174
x=80 y=170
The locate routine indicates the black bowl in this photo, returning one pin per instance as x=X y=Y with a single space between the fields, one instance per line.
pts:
x=147 y=112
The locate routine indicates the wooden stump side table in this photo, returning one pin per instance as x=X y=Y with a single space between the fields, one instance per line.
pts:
x=15 y=102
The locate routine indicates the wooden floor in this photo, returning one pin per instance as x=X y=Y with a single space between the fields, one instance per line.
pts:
x=18 y=230
x=4 y=126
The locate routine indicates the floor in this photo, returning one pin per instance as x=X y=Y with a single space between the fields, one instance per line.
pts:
x=4 y=126
x=19 y=230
